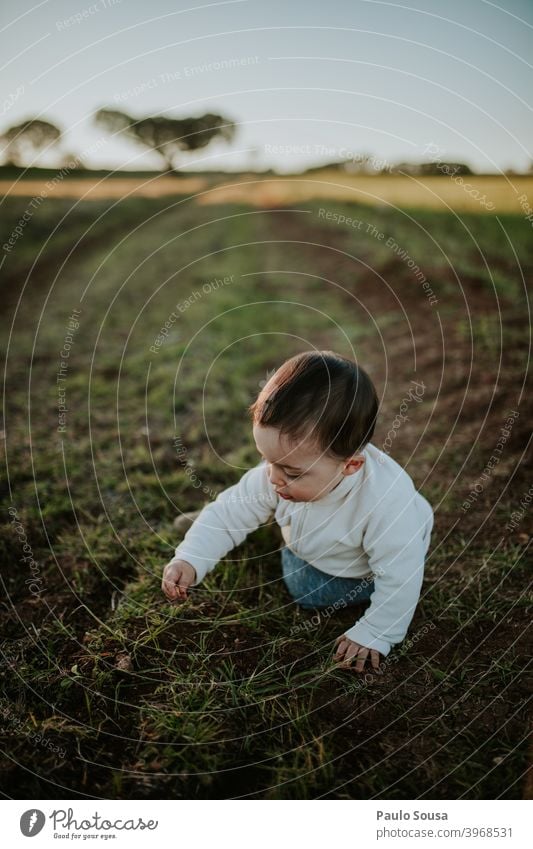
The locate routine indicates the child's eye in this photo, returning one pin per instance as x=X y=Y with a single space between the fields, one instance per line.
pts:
x=292 y=477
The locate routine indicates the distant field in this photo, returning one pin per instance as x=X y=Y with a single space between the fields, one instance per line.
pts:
x=480 y=194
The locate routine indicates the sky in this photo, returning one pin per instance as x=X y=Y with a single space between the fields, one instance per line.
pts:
x=306 y=81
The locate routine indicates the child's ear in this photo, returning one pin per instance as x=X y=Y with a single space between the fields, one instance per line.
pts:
x=353 y=464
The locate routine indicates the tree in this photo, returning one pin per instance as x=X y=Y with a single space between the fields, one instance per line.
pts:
x=24 y=141
x=167 y=136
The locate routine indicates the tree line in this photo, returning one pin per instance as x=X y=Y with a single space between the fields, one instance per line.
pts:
x=170 y=138
x=167 y=137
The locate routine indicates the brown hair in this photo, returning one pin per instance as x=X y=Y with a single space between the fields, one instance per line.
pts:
x=322 y=392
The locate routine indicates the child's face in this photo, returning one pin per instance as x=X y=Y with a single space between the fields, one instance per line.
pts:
x=300 y=471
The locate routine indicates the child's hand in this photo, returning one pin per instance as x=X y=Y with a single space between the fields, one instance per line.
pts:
x=177 y=577
x=347 y=651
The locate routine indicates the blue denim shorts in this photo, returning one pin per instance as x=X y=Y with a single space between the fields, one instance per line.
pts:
x=313 y=589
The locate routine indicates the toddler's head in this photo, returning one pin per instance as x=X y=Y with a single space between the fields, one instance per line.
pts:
x=311 y=421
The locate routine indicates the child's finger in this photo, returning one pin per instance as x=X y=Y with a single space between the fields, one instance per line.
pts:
x=165 y=585
x=169 y=589
x=176 y=589
x=167 y=580
x=171 y=586
x=360 y=656
x=341 y=648
x=181 y=590
x=348 y=660
x=184 y=581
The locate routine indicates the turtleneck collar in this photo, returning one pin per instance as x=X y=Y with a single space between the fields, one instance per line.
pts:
x=348 y=484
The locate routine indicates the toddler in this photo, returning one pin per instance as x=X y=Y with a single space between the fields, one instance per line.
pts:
x=353 y=524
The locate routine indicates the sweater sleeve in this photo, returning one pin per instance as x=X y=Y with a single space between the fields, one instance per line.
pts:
x=227 y=521
x=396 y=540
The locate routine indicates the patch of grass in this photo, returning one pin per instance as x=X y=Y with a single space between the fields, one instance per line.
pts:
x=234 y=692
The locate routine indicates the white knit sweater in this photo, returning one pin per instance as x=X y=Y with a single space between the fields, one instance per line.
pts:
x=372 y=524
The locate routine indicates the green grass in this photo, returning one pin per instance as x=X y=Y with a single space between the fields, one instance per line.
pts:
x=232 y=694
